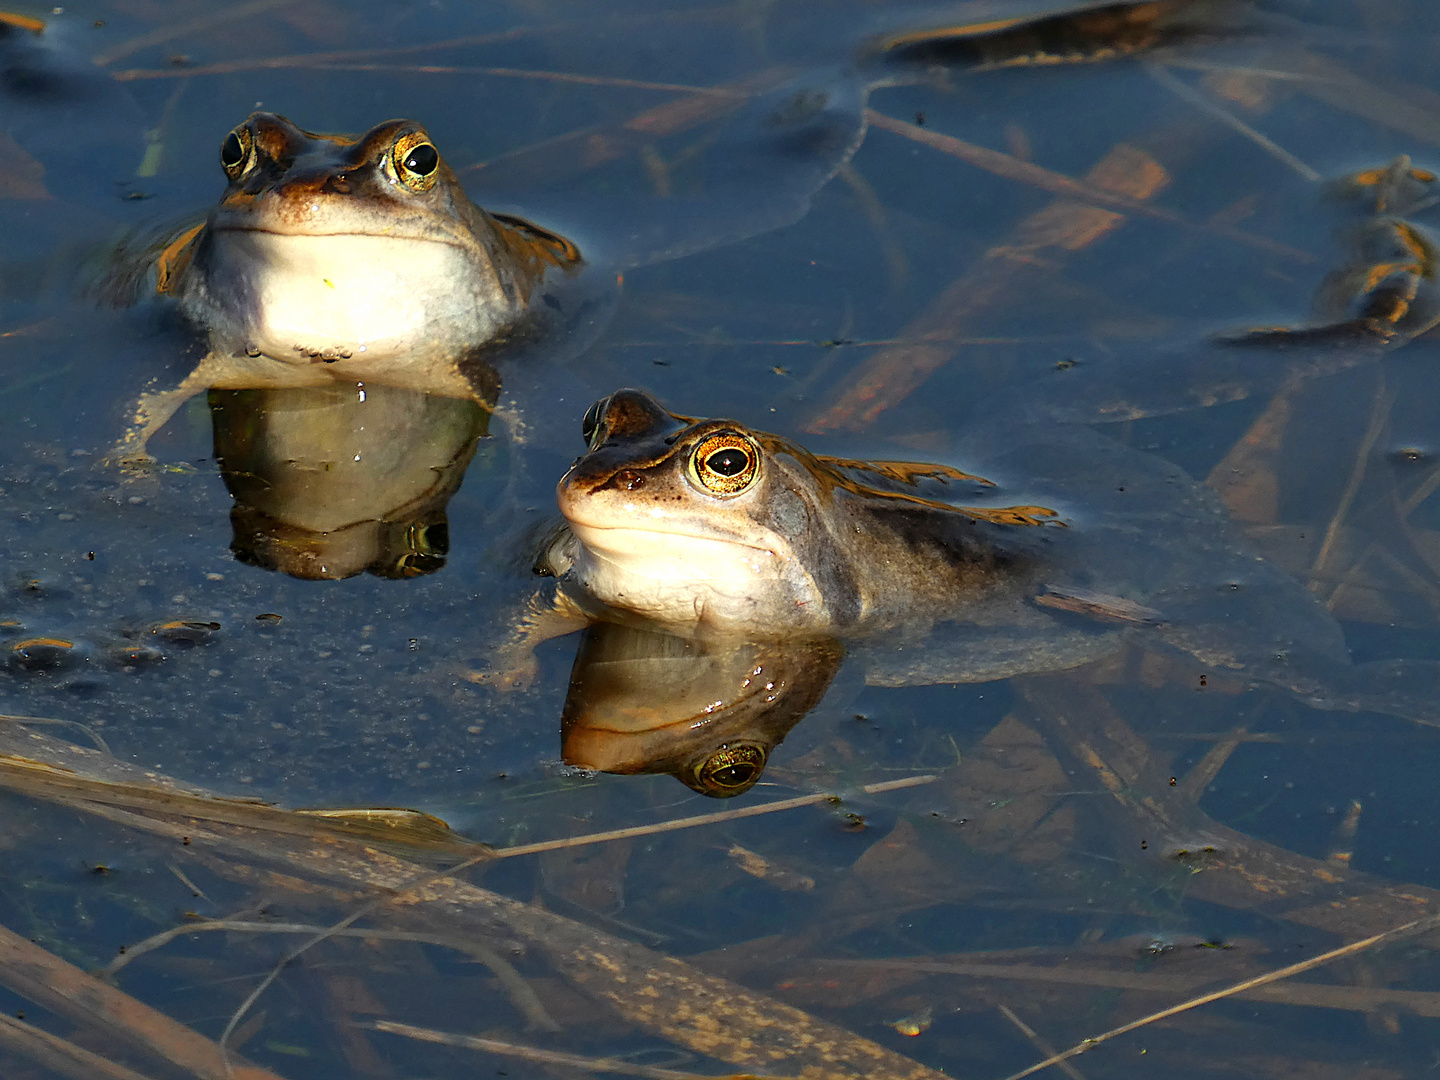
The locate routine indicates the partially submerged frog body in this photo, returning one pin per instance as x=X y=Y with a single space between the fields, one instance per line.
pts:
x=712 y=530
x=718 y=530
x=1387 y=291
x=331 y=259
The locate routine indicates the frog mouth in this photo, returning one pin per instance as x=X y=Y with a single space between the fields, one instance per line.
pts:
x=638 y=541
x=300 y=232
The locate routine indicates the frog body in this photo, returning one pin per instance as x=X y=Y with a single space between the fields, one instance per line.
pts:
x=351 y=252
x=332 y=260
x=712 y=528
x=1109 y=545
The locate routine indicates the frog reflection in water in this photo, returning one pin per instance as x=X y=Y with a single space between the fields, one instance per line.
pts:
x=714 y=531
x=332 y=481
x=708 y=713
x=333 y=260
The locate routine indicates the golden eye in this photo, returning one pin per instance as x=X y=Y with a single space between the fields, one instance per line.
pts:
x=731 y=770
x=236 y=151
x=417 y=162
x=726 y=463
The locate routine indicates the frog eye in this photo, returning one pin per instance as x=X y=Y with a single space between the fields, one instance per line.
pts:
x=726 y=463
x=590 y=429
x=235 y=152
x=731 y=770
x=417 y=162
x=423 y=550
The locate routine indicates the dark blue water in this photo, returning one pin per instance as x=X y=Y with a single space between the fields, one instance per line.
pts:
x=739 y=268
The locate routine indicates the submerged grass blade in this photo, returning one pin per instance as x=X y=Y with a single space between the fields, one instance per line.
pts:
x=545 y=1057
x=1406 y=930
x=59 y=986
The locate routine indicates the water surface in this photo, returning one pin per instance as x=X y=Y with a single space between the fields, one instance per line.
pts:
x=887 y=312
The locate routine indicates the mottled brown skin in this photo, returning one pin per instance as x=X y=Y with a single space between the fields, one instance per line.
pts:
x=332 y=260
x=803 y=548
x=327 y=248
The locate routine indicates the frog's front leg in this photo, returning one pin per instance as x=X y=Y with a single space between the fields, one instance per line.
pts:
x=218 y=369
x=548 y=614
x=154 y=410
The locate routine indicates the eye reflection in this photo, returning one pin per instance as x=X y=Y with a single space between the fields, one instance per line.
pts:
x=590 y=426
x=732 y=770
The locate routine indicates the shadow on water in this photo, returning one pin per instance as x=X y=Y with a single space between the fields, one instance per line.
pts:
x=1162 y=269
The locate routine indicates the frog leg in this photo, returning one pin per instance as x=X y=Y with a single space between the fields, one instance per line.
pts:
x=155 y=408
x=241 y=371
x=546 y=615
x=907 y=472
x=235 y=372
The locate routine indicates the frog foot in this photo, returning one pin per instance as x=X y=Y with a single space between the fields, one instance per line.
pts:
x=131 y=455
x=514 y=669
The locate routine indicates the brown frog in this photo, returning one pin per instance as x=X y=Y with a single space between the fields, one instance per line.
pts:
x=337 y=260
x=713 y=528
x=715 y=531
x=709 y=529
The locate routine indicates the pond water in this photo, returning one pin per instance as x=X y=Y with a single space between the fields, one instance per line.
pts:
x=1058 y=256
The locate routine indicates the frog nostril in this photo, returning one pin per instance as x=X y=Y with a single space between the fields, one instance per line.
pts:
x=630 y=478
x=339 y=184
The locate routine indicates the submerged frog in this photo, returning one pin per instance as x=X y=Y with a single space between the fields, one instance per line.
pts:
x=334 y=260
x=712 y=530
x=1385 y=293
x=715 y=529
